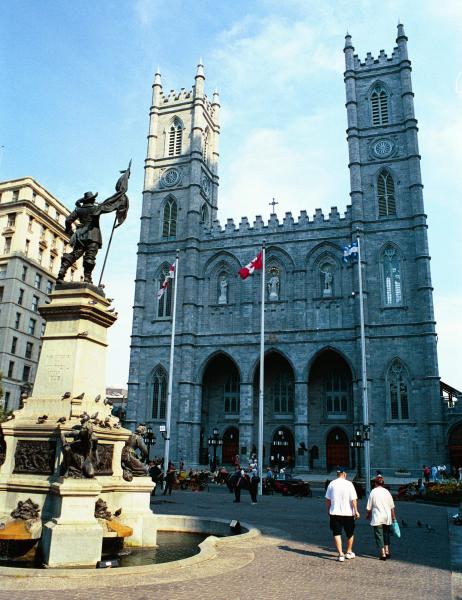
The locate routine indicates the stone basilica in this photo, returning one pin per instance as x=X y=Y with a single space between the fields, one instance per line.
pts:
x=313 y=396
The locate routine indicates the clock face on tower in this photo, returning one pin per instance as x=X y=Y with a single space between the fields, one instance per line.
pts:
x=206 y=186
x=382 y=148
x=170 y=177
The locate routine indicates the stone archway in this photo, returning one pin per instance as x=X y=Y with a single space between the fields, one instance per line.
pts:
x=337 y=449
x=455 y=446
x=282 y=452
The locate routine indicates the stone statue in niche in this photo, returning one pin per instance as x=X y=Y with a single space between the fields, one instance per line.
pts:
x=327 y=279
x=223 y=297
x=273 y=285
x=80 y=457
x=132 y=464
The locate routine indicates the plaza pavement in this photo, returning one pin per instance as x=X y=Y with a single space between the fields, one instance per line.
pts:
x=294 y=559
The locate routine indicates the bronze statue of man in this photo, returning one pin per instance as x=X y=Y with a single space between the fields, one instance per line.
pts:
x=86 y=240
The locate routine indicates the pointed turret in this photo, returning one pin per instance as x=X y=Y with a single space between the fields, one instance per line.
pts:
x=200 y=78
x=349 y=53
x=401 y=40
x=156 y=88
x=216 y=106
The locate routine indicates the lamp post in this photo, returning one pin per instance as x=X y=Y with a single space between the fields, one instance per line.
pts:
x=214 y=441
x=361 y=435
x=149 y=438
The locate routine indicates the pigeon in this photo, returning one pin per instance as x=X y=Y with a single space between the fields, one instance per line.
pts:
x=80 y=396
x=111 y=310
x=93 y=302
x=66 y=395
x=403 y=523
x=62 y=420
x=107 y=401
x=118 y=512
x=98 y=398
x=94 y=415
x=41 y=420
x=419 y=524
x=117 y=425
x=9 y=418
x=110 y=300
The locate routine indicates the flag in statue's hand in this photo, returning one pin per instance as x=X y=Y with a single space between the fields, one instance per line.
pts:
x=254 y=265
x=119 y=201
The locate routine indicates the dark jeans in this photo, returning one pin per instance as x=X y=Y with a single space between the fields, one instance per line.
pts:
x=237 y=494
x=168 y=487
x=382 y=535
x=253 y=491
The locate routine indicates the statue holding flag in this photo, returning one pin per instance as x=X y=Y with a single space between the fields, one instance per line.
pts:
x=86 y=239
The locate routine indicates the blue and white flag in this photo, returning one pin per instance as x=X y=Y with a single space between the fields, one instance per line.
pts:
x=350 y=252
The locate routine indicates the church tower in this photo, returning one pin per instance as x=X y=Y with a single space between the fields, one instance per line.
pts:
x=388 y=214
x=179 y=201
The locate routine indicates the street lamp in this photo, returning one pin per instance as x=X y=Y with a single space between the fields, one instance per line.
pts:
x=149 y=438
x=214 y=441
x=361 y=435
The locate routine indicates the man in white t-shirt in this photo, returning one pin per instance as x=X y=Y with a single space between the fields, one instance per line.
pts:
x=342 y=507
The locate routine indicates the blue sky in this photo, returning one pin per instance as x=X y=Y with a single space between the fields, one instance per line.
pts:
x=76 y=87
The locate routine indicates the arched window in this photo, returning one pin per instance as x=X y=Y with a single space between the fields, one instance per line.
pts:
x=205 y=145
x=398 y=390
x=169 y=219
x=204 y=214
x=164 y=305
x=175 y=136
x=231 y=395
x=281 y=392
x=379 y=106
x=386 y=194
x=391 y=265
x=159 y=394
x=337 y=391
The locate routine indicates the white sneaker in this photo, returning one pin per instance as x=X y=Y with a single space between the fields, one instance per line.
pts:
x=350 y=555
x=341 y=558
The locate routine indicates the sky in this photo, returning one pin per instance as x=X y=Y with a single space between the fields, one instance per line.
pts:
x=76 y=90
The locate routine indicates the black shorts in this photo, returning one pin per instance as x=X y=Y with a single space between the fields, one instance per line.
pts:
x=337 y=523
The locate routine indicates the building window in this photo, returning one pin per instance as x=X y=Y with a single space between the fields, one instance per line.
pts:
x=42 y=328
x=2 y=271
x=175 y=135
x=204 y=214
x=205 y=147
x=49 y=286
x=232 y=395
x=27 y=247
x=337 y=392
x=7 y=400
x=35 y=302
x=7 y=245
x=20 y=296
x=169 y=221
x=29 y=349
x=164 y=305
x=30 y=223
x=281 y=393
x=24 y=273
x=159 y=394
x=2 y=289
x=386 y=194
x=32 y=325
x=40 y=256
x=26 y=373
x=47 y=207
x=38 y=281
x=14 y=343
x=10 y=369
x=11 y=219
x=17 y=321
x=391 y=264
x=15 y=195
x=398 y=389
x=379 y=106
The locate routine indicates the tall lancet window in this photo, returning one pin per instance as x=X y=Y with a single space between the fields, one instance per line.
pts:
x=159 y=394
x=379 y=106
x=205 y=146
x=164 y=305
x=169 y=219
x=175 y=137
x=386 y=194
x=391 y=265
x=398 y=390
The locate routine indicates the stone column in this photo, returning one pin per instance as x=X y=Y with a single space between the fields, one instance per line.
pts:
x=246 y=421
x=301 y=424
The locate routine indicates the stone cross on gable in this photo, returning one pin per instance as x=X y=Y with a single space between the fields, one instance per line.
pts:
x=273 y=204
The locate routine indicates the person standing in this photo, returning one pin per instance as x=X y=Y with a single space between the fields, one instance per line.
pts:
x=434 y=473
x=254 y=480
x=342 y=507
x=238 y=483
x=426 y=473
x=169 y=480
x=381 y=512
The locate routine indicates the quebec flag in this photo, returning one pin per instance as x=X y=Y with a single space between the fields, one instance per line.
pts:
x=350 y=252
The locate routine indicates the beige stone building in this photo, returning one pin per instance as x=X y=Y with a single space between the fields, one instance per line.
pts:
x=32 y=240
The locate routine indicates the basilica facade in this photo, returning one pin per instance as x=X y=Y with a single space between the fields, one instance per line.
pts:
x=313 y=394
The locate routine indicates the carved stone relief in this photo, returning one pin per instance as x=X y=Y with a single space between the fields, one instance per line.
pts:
x=35 y=457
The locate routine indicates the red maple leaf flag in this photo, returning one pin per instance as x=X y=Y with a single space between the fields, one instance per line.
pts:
x=164 y=286
x=254 y=265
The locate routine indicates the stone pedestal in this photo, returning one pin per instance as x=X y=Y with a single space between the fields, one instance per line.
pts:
x=74 y=537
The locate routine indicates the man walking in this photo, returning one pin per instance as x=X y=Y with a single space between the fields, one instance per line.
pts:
x=342 y=507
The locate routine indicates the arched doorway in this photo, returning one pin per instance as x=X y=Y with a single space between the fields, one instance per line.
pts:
x=230 y=445
x=282 y=452
x=337 y=449
x=455 y=446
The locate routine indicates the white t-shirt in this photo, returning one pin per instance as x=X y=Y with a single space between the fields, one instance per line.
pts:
x=341 y=493
x=380 y=503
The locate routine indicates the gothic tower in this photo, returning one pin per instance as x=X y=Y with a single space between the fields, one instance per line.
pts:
x=388 y=213
x=179 y=199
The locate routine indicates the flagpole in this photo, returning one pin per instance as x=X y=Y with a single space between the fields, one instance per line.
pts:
x=367 y=458
x=261 y=395
x=170 y=372
x=107 y=251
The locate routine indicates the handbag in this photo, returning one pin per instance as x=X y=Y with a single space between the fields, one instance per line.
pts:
x=395 y=530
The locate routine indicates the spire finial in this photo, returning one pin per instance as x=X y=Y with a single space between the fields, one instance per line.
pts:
x=157 y=77
x=200 y=69
x=348 y=43
x=401 y=33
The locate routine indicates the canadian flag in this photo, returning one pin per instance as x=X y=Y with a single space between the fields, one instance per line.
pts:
x=164 y=286
x=254 y=265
